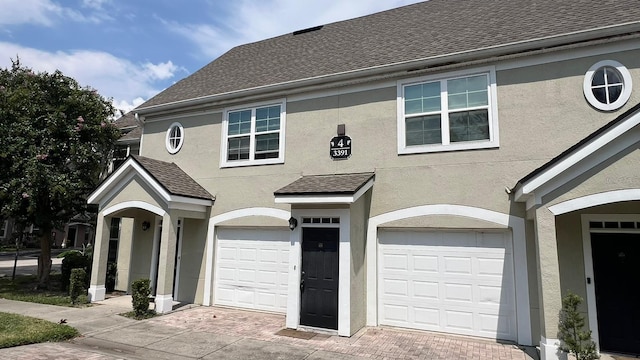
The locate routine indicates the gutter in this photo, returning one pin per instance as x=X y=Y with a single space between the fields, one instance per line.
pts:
x=418 y=64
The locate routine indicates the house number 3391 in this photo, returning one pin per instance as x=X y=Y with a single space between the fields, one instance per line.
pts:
x=340 y=147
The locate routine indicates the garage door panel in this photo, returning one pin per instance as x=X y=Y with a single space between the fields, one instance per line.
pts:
x=459 y=282
x=252 y=269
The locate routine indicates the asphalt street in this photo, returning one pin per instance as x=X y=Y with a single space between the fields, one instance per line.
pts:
x=27 y=264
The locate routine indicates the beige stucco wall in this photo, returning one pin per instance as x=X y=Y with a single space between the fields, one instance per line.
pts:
x=541 y=111
x=358 y=217
x=125 y=243
x=141 y=250
x=134 y=189
x=193 y=261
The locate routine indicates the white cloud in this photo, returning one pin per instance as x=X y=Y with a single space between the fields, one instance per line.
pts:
x=48 y=12
x=129 y=84
x=249 y=20
x=41 y=12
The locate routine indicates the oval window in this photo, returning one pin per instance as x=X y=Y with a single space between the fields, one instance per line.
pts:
x=607 y=85
x=175 y=138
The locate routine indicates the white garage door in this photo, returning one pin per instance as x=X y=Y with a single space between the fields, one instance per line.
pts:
x=252 y=268
x=454 y=282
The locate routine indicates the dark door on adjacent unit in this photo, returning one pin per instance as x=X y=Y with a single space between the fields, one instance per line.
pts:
x=616 y=268
x=319 y=278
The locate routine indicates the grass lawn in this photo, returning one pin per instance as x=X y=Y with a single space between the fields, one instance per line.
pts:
x=23 y=288
x=16 y=330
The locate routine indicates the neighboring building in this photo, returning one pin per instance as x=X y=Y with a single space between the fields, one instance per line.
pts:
x=454 y=166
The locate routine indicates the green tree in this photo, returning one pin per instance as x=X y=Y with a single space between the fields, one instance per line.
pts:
x=575 y=339
x=57 y=140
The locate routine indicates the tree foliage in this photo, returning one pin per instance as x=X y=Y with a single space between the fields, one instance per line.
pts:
x=57 y=140
x=575 y=339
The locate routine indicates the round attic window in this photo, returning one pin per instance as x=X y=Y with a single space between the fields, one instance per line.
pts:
x=607 y=85
x=175 y=138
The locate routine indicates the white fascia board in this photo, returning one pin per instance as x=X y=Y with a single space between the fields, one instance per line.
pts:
x=315 y=199
x=487 y=52
x=324 y=199
x=540 y=180
x=113 y=182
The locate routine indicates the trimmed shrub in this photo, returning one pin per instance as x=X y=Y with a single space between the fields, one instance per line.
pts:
x=73 y=260
x=140 y=290
x=76 y=287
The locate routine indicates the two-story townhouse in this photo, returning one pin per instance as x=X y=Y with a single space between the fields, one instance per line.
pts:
x=453 y=166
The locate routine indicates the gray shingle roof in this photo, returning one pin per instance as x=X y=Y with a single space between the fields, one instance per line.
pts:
x=326 y=184
x=132 y=136
x=430 y=29
x=173 y=179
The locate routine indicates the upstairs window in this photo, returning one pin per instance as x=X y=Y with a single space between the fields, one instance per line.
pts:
x=607 y=85
x=444 y=114
x=174 y=138
x=253 y=136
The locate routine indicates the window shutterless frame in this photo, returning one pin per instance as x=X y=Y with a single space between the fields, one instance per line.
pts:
x=174 y=138
x=441 y=112
x=607 y=85
x=253 y=134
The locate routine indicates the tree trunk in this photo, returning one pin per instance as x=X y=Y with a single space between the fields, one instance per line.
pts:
x=44 y=260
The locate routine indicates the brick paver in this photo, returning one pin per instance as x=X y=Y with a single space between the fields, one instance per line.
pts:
x=375 y=343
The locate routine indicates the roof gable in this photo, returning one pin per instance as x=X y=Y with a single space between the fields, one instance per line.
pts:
x=435 y=29
x=168 y=181
x=610 y=139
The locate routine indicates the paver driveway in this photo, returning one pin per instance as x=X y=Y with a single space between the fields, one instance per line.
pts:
x=223 y=333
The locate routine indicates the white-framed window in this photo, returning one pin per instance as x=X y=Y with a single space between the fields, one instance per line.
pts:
x=607 y=85
x=253 y=135
x=174 y=138
x=454 y=111
x=4 y=224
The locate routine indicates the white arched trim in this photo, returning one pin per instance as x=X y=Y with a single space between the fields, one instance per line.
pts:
x=213 y=223
x=134 y=204
x=517 y=225
x=584 y=202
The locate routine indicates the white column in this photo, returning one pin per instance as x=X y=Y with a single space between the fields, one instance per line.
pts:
x=164 y=295
x=97 y=289
x=549 y=289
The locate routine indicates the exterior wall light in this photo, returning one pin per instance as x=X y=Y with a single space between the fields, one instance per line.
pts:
x=145 y=225
x=293 y=222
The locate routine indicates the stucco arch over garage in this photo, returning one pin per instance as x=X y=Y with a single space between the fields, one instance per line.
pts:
x=476 y=217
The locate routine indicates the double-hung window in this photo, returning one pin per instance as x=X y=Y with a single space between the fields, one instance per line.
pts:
x=253 y=136
x=443 y=114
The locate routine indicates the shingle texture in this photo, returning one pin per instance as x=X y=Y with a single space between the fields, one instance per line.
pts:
x=173 y=179
x=425 y=30
x=326 y=184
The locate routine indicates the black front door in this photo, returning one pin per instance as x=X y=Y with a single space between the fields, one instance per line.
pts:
x=319 y=278
x=616 y=268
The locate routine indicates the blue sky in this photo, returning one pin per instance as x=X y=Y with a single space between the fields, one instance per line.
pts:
x=129 y=50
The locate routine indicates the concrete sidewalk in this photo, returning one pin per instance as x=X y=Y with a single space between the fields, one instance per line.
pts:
x=222 y=333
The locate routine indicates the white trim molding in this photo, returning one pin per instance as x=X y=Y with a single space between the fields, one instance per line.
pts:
x=344 y=267
x=592 y=310
x=515 y=223
x=596 y=151
x=132 y=169
x=626 y=84
x=211 y=241
x=164 y=303
x=133 y=204
x=603 y=198
x=97 y=293
x=550 y=349
x=324 y=199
